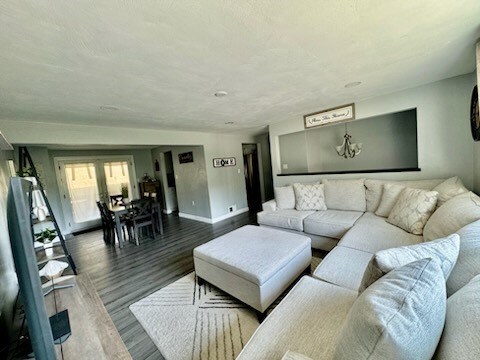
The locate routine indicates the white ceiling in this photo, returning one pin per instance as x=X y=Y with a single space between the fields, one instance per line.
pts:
x=159 y=62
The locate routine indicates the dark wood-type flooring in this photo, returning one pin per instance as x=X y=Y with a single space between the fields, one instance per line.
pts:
x=124 y=276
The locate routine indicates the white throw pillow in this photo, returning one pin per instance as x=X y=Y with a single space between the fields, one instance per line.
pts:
x=413 y=209
x=449 y=189
x=461 y=335
x=444 y=251
x=391 y=193
x=453 y=215
x=284 y=197
x=401 y=316
x=345 y=194
x=309 y=197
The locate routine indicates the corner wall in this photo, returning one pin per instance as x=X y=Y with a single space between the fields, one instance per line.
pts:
x=443 y=129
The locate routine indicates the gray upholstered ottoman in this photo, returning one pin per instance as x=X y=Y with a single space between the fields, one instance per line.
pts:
x=253 y=264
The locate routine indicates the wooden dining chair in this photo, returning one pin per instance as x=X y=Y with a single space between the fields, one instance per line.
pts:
x=141 y=216
x=108 y=226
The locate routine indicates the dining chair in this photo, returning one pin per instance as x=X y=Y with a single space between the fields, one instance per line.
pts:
x=111 y=225
x=108 y=226
x=141 y=216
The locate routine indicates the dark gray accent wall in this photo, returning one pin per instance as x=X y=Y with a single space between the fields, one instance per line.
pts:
x=389 y=142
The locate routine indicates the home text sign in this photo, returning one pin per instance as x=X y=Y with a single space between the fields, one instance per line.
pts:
x=330 y=116
x=184 y=158
x=221 y=162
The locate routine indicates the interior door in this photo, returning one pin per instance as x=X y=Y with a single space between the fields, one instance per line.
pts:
x=83 y=182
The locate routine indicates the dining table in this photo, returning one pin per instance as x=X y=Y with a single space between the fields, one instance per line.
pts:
x=118 y=210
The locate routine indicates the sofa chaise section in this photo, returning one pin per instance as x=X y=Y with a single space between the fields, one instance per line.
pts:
x=308 y=321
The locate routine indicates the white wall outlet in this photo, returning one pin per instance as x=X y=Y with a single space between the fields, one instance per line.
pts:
x=284 y=166
x=193 y=203
x=239 y=171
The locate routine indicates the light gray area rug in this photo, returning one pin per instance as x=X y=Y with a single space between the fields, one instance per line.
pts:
x=186 y=320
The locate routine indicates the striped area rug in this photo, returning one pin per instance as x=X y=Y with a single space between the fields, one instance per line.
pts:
x=186 y=320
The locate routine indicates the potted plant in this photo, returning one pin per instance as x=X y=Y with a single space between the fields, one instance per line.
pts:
x=46 y=237
x=125 y=191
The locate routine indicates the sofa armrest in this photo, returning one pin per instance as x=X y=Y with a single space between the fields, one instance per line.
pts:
x=270 y=205
x=291 y=355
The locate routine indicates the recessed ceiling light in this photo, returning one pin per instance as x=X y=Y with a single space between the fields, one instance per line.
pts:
x=108 y=108
x=229 y=122
x=221 y=93
x=353 y=84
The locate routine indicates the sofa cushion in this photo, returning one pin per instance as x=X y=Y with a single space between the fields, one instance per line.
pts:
x=242 y=252
x=449 y=189
x=461 y=335
x=345 y=194
x=413 y=209
x=390 y=196
x=288 y=219
x=444 y=251
x=468 y=262
x=372 y=233
x=375 y=189
x=343 y=267
x=284 y=197
x=331 y=223
x=401 y=316
x=309 y=197
x=308 y=320
x=453 y=215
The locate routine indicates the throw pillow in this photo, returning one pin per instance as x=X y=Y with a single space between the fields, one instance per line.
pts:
x=309 y=197
x=461 y=335
x=413 y=209
x=444 y=251
x=449 y=189
x=452 y=216
x=345 y=194
x=391 y=193
x=401 y=316
x=468 y=262
x=284 y=197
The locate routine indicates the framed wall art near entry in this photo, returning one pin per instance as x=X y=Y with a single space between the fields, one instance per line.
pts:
x=474 y=115
x=184 y=158
x=330 y=116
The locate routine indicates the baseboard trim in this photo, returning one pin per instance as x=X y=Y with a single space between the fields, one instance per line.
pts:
x=215 y=220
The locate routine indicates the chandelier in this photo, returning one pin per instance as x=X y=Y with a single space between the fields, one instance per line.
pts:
x=348 y=149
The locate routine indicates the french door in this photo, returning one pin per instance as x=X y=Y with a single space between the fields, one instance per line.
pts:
x=84 y=181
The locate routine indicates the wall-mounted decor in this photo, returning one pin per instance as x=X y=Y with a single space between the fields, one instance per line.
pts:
x=330 y=116
x=184 y=158
x=222 y=162
x=474 y=115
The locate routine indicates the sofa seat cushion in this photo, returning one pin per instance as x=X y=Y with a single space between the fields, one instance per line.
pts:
x=344 y=267
x=372 y=233
x=288 y=219
x=308 y=320
x=331 y=223
x=243 y=252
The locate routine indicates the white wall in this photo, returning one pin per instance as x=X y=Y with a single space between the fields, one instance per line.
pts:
x=444 y=142
x=226 y=185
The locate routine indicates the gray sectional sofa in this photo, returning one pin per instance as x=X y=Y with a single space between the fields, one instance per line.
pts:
x=310 y=319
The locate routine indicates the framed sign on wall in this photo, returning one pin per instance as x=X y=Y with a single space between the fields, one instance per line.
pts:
x=184 y=158
x=222 y=162
x=330 y=116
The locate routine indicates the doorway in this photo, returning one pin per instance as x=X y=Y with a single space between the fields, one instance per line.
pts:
x=168 y=181
x=84 y=181
x=252 y=177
